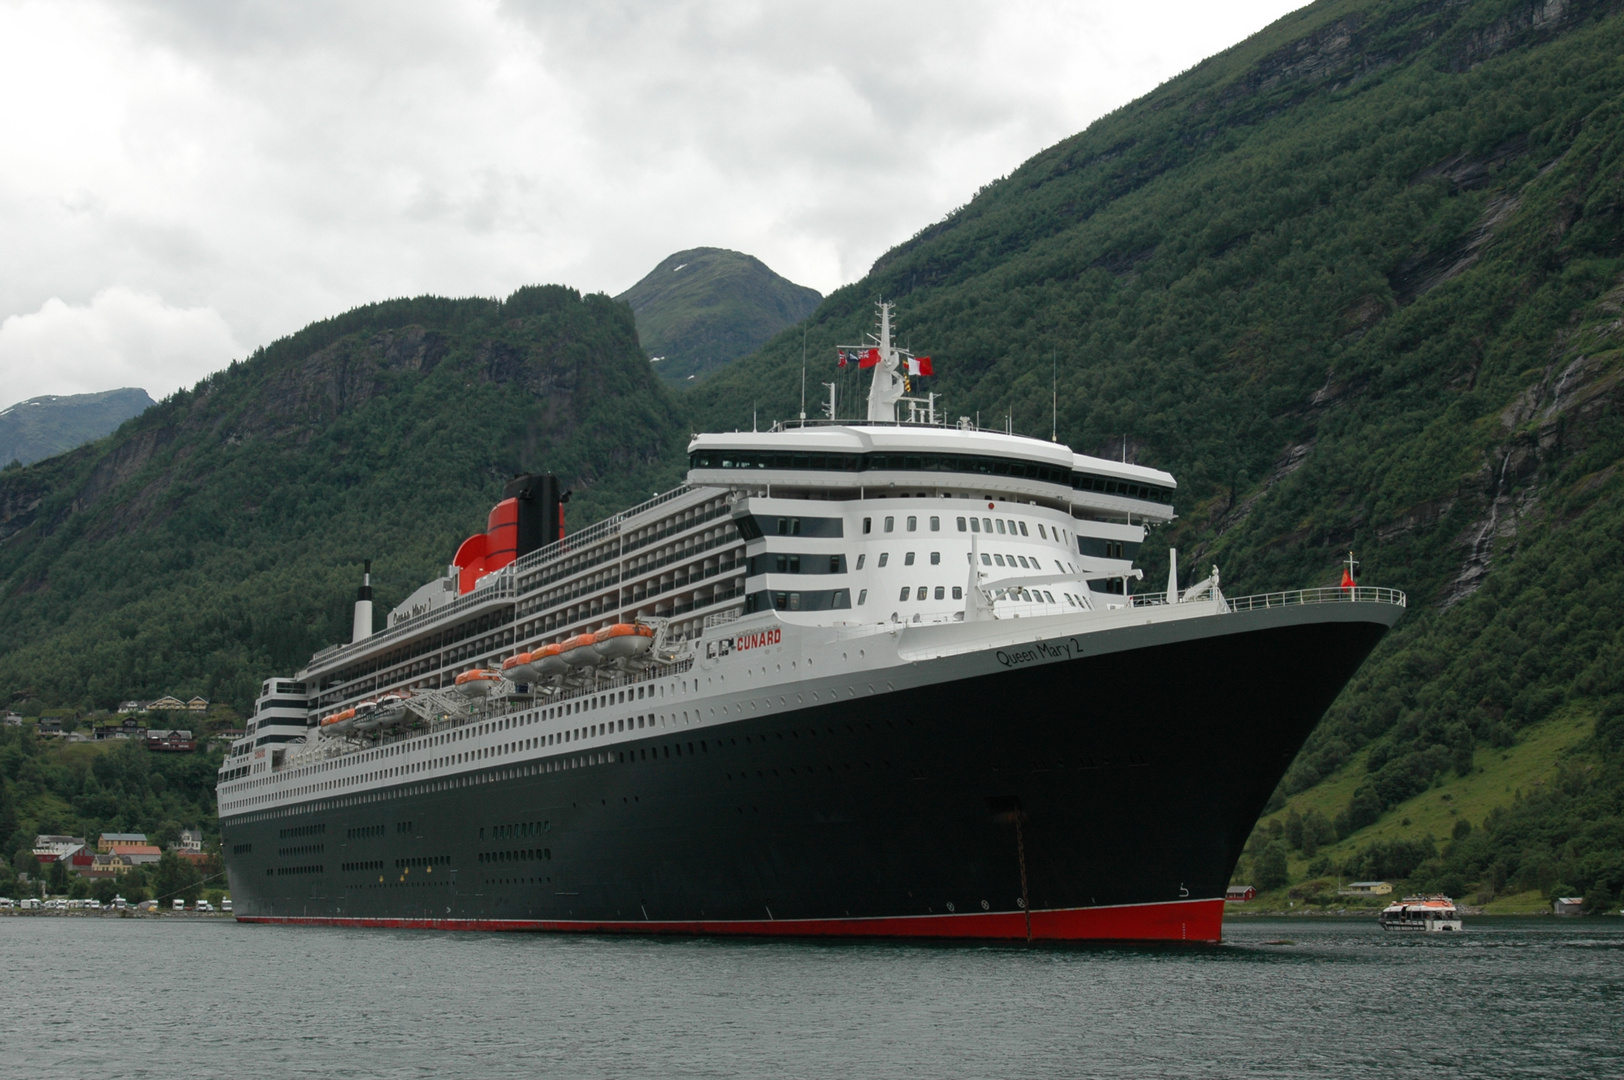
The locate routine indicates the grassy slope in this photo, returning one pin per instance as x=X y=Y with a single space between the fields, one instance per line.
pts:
x=703 y=308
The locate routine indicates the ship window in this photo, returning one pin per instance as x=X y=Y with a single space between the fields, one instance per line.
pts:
x=907 y=560
x=958 y=592
x=975 y=525
x=1022 y=558
x=941 y=593
x=868 y=525
x=1047 y=595
x=884 y=557
x=860 y=560
x=936 y=558
x=1062 y=568
x=913 y=523
x=1041 y=534
x=986 y=525
x=862 y=598
x=999 y=559
x=922 y=593
x=935 y=523
x=961 y=524
x=904 y=595
x=890 y=523
x=1022 y=524
x=986 y=560
x=1000 y=523
x=834 y=565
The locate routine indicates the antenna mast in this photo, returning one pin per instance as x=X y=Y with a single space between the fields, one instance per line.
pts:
x=803 y=376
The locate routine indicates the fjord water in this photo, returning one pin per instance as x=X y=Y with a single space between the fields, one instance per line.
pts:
x=177 y=997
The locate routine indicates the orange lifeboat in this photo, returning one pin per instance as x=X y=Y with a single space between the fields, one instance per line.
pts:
x=338 y=723
x=527 y=667
x=579 y=651
x=478 y=682
x=623 y=640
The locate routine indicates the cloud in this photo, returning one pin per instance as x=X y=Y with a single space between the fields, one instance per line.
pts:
x=120 y=338
x=280 y=162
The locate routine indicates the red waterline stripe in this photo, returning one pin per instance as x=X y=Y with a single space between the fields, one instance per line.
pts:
x=1184 y=920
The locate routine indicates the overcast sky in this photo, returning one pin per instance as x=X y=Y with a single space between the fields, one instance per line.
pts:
x=183 y=182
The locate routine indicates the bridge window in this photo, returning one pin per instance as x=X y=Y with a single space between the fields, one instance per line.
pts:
x=913 y=523
x=884 y=557
x=958 y=592
x=908 y=559
x=904 y=595
x=936 y=558
x=890 y=523
x=940 y=592
x=961 y=524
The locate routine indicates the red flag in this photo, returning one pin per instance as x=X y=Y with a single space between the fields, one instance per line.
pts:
x=1347 y=578
x=842 y=354
x=920 y=365
x=869 y=359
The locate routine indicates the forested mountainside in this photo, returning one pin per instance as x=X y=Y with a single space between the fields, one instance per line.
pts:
x=41 y=427
x=1358 y=282
x=217 y=538
x=703 y=308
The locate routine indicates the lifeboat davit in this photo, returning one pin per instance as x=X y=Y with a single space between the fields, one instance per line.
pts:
x=579 y=651
x=623 y=640
x=338 y=723
x=478 y=682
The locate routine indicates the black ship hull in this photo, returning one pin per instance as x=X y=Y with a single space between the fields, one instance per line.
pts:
x=1104 y=796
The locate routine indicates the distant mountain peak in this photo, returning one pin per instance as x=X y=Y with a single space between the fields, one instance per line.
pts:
x=724 y=306
x=52 y=424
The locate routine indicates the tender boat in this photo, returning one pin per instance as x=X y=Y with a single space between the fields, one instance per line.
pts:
x=1430 y=913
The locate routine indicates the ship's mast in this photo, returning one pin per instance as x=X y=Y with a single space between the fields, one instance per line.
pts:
x=886 y=388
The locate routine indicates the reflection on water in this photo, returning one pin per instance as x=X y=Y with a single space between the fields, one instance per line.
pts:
x=1282 y=997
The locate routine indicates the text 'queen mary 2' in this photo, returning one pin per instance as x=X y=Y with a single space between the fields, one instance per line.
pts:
x=854 y=678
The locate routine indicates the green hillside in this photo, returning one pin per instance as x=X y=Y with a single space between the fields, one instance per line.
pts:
x=703 y=308
x=44 y=426
x=217 y=538
x=1358 y=283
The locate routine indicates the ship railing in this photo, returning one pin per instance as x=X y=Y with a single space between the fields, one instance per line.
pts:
x=593 y=533
x=1363 y=594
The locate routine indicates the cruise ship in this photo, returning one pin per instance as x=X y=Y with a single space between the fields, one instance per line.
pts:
x=897 y=676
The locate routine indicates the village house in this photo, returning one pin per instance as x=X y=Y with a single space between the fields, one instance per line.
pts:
x=48 y=848
x=171 y=739
x=198 y=704
x=167 y=703
x=106 y=841
x=1239 y=894
x=1367 y=888
x=138 y=854
x=1568 y=905
x=109 y=864
x=132 y=706
x=190 y=840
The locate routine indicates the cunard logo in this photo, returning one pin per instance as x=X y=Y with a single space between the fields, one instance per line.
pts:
x=758 y=639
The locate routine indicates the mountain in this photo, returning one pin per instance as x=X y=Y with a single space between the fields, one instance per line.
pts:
x=703 y=308
x=43 y=427
x=217 y=538
x=1358 y=282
